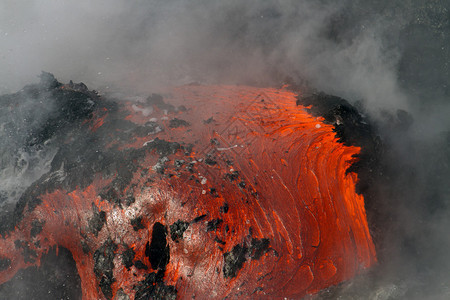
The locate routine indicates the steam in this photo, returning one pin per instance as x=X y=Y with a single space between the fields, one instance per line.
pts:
x=147 y=44
x=373 y=54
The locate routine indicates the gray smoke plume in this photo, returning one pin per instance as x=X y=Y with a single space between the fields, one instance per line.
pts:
x=391 y=58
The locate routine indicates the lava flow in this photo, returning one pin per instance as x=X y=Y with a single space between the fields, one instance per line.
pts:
x=205 y=192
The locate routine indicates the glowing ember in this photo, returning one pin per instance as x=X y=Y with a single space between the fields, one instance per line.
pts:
x=215 y=191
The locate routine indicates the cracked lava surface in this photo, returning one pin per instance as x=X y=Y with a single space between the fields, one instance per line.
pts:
x=205 y=192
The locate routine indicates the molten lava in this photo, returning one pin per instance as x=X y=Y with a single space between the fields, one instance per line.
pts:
x=211 y=192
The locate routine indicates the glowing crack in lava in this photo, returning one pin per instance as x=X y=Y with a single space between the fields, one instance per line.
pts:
x=209 y=192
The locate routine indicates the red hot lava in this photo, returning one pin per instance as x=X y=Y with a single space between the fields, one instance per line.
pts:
x=213 y=192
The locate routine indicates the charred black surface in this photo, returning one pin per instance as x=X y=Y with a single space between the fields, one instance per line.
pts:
x=104 y=265
x=199 y=218
x=153 y=287
x=128 y=257
x=140 y=265
x=213 y=192
x=56 y=278
x=177 y=229
x=350 y=127
x=217 y=240
x=158 y=251
x=97 y=221
x=213 y=224
x=137 y=223
x=224 y=208
x=242 y=184
x=232 y=176
x=36 y=227
x=235 y=259
x=258 y=248
x=210 y=161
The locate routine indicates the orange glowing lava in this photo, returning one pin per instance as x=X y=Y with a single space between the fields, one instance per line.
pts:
x=261 y=186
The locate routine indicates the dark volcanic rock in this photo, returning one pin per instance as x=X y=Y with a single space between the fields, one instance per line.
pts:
x=235 y=259
x=177 y=229
x=232 y=176
x=213 y=224
x=158 y=251
x=104 y=265
x=97 y=221
x=128 y=257
x=350 y=127
x=140 y=265
x=210 y=161
x=258 y=248
x=224 y=208
x=137 y=223
x=153 y=287
x=199 y=218
x=174 y=123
